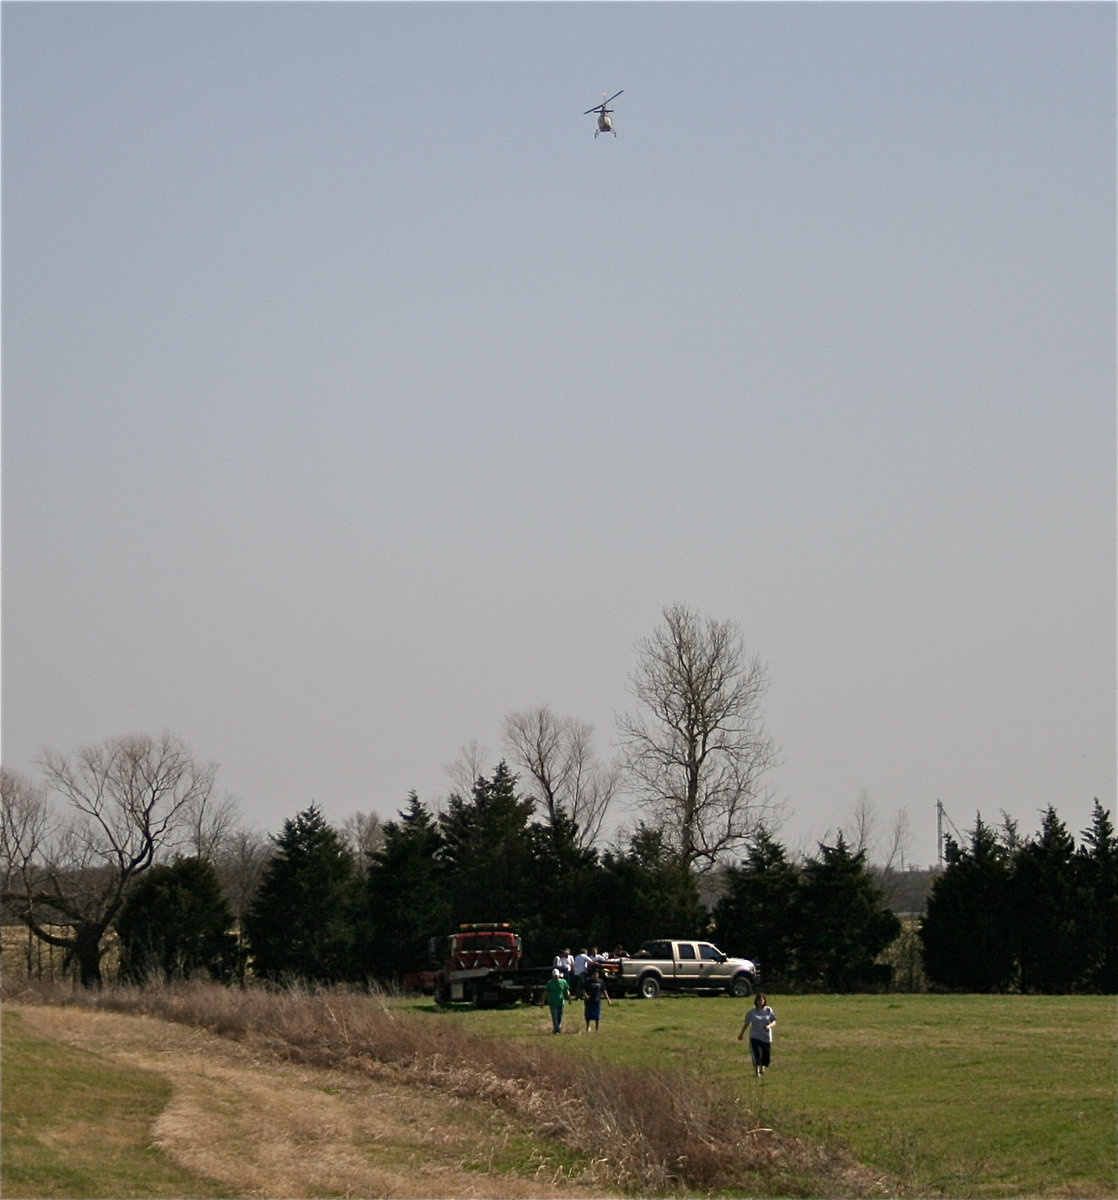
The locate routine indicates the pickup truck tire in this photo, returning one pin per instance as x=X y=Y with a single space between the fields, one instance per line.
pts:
x=648 y=987
x=741 y=986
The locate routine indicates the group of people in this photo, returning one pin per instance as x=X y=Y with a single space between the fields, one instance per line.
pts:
x=579 y=977
x=575 y=968
x=576 y=977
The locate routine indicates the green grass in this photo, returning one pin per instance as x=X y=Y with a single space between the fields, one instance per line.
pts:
x=984 y=1096
x=76 y=1125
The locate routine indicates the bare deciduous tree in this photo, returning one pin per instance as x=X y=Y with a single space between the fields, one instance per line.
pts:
x=240 y=865
x=471 y=765
x=887 y=850
x=698 y=751
x=864 y=824
x=208 y=824
x=66 y=876
x=364 y=835
x=897 y=847
x=567 y=778
x=24 y=827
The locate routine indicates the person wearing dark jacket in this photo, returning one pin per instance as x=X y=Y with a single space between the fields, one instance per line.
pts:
x=593 y=991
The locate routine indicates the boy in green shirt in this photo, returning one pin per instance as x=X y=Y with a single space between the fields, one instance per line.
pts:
x=556 y=994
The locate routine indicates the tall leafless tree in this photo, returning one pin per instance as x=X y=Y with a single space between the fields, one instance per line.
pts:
x=887 y=850
x=241 y=861
x=26 y=825
x=464 y=771
x=209 y=822
x=364 y=835
x=697 y=751
x=567 y=779
x=887 y=854
x=66 y=874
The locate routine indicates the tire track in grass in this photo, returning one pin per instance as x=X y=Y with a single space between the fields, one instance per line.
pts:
x=266 y=1128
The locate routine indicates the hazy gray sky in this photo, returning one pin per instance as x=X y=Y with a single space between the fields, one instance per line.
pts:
x=354 y=395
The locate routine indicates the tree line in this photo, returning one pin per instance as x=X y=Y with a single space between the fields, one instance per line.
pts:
x=1032 y=915
x=1007 y=913
x=131 y=839
x=694 y=756
x=322 y=914
x=160 y=871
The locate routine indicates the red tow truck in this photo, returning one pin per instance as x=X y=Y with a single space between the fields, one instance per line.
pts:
x=482 y=964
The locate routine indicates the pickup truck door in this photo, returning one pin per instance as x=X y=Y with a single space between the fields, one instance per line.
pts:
x=687 y=964
x=711 y=970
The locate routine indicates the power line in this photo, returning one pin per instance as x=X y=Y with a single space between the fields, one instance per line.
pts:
x=941 y=817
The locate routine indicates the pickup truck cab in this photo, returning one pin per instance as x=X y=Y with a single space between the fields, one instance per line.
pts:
x=662 y=966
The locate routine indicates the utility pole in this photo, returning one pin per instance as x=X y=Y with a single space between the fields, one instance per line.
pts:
x=939 y=833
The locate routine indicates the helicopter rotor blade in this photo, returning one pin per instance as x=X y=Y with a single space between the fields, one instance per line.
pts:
x=602 y=107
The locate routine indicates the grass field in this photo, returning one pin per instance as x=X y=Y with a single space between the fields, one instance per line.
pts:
x=76 y=1124
x=984 y=1096
x=951 y=1096
x=81 y=1121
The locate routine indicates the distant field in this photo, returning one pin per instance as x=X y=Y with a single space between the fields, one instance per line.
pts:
x=984 y=1096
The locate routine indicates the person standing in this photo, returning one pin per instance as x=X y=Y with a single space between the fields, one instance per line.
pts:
x=556 y=993
x=581 y=965
x=760 y=1021
x=565 y=964
x=593 y=991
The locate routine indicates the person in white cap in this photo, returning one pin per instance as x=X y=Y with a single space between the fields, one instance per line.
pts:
x=556 y=994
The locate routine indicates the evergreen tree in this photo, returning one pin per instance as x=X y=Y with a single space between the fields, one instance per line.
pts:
x=844 y=922
x=1098 y=871
x=176 y=924
x=566 y=892
x=759 y=914
x=1049 y=910
x=649 y=893
x=966 y=932
x=406 y=897
x=486 y=851
x=302 y=923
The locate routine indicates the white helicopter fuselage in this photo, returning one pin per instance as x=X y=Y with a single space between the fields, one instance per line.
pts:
x=605 y=123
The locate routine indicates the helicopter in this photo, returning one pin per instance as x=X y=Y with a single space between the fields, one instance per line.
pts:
x=605 y=125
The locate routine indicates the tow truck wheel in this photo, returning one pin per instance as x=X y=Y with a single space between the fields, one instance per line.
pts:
x=648 y=988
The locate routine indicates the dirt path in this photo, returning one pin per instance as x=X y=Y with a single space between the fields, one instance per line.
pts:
x=271 y=1129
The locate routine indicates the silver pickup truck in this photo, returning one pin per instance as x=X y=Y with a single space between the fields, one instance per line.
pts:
x=666 y=966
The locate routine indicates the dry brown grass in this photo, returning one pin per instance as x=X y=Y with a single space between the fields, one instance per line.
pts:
x=648 y=1130
x=272 y=1129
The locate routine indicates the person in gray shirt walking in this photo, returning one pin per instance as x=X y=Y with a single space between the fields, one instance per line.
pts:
x=760 y=1021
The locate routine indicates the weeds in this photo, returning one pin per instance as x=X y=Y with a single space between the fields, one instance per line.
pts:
x=647 y=1130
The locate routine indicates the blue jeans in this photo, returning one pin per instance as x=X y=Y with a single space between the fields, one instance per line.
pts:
x=556 y=1017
